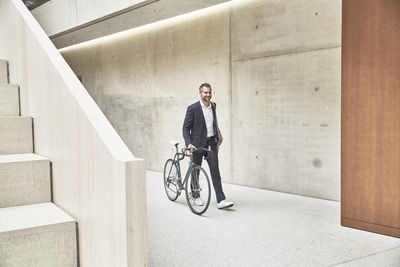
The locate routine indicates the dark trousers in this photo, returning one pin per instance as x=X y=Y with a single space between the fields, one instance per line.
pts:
x=214 y=169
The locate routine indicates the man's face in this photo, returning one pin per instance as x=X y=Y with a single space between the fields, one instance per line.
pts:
x=206 y=94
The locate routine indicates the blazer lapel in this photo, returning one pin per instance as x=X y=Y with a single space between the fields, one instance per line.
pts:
x=215 y=122
x=200 y=110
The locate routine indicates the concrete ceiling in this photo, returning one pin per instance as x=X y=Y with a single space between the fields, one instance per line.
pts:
x=147 y=12
x=31 y=4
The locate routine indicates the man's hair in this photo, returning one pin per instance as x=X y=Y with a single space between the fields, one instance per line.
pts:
x=204 y=85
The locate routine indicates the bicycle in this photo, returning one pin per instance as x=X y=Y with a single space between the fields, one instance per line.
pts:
x=196 y=182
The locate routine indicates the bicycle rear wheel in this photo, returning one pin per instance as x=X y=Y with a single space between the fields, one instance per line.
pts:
x=198 y=190
x=171 y=180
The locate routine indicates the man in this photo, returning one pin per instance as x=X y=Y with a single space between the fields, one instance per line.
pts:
x=200 y=129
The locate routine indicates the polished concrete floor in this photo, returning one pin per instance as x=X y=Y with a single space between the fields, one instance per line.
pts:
x=264 y=228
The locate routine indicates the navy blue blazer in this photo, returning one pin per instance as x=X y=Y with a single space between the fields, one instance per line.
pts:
x=194 y=127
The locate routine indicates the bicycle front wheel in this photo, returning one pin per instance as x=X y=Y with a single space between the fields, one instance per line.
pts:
x=171 y=180
x=198 y=190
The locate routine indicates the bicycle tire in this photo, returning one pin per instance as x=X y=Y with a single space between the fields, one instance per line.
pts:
x=198 y=187
x=171 y=180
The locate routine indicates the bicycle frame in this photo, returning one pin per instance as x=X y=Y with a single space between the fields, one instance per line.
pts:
x=196 y=183
x=177 y=159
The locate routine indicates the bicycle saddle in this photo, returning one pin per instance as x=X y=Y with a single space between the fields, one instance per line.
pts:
x=175 y=143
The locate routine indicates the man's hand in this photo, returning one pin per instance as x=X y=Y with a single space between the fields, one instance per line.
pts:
x=192 y=148
x=220 y=138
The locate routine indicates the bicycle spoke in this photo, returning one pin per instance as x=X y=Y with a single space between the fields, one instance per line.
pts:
x=172 y=189
x=198 y=191
x=170 y=180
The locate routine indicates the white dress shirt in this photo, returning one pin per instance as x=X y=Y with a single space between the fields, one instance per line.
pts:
x=209 y=118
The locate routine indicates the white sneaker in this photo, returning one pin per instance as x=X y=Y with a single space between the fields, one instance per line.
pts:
x=224 y=204
x=198 y=202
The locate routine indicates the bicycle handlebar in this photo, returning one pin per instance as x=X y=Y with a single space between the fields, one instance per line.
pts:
x=209 y=151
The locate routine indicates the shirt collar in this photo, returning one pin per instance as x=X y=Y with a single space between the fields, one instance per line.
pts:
x=204 y=106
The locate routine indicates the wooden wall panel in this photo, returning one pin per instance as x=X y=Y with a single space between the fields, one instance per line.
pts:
x=370 y=160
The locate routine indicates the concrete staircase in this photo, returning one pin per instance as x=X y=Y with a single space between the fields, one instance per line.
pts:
x=33 y=231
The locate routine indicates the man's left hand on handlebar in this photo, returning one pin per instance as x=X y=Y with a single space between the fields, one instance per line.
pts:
x=192 y=148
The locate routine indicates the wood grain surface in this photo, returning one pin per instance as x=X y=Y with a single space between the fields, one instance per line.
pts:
x=370 y=149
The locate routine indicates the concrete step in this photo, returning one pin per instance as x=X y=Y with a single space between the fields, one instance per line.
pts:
x=3 y=71
x=37 y=235
x=9 y=100
x=16 y=135
x=24 y=180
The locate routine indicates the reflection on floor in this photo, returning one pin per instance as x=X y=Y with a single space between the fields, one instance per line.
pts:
x=264 y=228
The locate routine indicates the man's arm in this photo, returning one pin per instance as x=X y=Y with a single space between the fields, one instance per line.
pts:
x=216 y=123
x=188 y=126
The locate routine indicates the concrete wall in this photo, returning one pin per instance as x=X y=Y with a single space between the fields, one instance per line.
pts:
x=286 y=95
x=95 y=178
x=144 y=80
x=275 y=69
